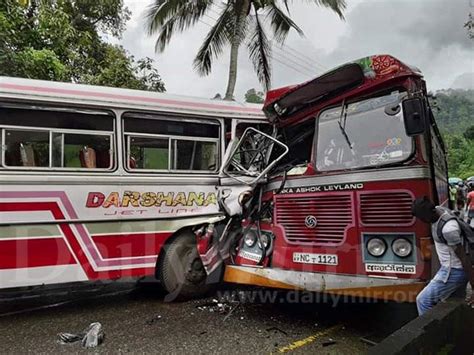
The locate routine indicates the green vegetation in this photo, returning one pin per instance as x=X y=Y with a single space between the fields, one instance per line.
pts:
x=255 y=97
x=454 y=110
x=62 y=40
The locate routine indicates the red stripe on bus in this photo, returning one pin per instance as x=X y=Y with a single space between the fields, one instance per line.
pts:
x=72 y=240
x=130 y=245
x=128 y=97
x=65 y=228
x=23 y=253
x=28 y=207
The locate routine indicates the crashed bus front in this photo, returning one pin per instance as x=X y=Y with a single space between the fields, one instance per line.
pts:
x=335 y=215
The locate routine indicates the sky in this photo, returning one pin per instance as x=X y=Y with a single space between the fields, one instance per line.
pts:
x=428 y=34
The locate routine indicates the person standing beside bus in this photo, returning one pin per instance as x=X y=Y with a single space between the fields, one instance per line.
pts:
x=452 y=194
x=456 y=268
x=470 y=203
x=460 y=197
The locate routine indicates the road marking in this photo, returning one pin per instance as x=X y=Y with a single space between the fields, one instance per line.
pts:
x=303 y=342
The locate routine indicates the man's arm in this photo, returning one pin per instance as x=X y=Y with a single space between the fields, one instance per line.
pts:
x=467 y=266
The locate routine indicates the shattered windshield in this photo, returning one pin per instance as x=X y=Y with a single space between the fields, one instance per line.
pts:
x=362 y=134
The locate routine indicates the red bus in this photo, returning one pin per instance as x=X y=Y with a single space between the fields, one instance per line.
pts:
x=335 y=214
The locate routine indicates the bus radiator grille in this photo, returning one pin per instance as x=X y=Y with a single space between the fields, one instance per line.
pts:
x=333 y=215
x=386 y=208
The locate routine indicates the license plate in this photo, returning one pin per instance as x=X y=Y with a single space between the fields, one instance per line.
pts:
x=310 y=258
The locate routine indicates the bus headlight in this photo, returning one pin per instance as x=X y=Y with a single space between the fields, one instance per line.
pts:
x=250 y=239
x=265 y=240
x=376 y=247
x=402 y=247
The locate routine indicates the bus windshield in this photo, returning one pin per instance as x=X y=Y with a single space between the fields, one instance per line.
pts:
x=362 y=134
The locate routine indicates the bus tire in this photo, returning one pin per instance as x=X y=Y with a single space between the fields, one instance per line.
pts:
x=181 y=271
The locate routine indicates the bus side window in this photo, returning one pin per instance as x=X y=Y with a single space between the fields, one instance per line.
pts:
x=90 y=151
x=154 y=143
x=148 y=153
x=26 y=148
x=56 y=138
x=195 y=155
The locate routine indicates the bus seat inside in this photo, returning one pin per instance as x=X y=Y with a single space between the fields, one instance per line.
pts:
x=27 y=155
x=132 y=163
x=103 y=159
x=88 y=158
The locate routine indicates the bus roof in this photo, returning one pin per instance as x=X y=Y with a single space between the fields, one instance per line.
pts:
x=353 y=77
x=58 y=92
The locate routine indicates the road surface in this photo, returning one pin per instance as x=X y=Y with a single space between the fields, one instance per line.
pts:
x=139 y=320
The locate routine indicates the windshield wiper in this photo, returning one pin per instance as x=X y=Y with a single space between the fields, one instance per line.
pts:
x=342 y=124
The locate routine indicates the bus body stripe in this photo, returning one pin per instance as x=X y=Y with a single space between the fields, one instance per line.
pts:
x=130 y=244
x=169 y=102
x=146 y=264
x=16 y=254
x=58 y=215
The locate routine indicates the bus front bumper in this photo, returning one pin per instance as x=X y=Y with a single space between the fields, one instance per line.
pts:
x=390 y=289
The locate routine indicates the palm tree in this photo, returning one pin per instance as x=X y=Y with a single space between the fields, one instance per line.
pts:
x=239 y=22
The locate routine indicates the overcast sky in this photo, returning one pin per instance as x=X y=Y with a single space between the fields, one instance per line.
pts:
x=426 y=33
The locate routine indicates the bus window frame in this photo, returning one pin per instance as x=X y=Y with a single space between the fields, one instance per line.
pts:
x=236 y=122
x=159 y=116
x=75 y=109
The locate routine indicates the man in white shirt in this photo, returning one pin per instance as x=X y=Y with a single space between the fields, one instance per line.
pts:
x=456 y=269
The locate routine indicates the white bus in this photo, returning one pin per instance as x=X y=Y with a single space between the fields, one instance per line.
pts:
x=96 y=182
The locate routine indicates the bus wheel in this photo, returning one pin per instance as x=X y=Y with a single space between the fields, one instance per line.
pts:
x=181 y=271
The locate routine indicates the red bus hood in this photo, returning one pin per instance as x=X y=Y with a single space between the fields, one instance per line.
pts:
x=282 y=102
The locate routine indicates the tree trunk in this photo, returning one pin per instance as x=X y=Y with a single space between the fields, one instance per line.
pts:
x=234 y=53
x=242 y=8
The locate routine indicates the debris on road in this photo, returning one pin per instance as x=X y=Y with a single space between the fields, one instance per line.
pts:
x=66 y=338
x=368 y=341
x=328 y=342
x=276 y=330
x=224 y=305
x=215 y=306
x=153 y=320
x=91 y=337
x=231 y=311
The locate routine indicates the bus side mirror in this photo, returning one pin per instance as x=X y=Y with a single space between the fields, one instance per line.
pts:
x=414 y=116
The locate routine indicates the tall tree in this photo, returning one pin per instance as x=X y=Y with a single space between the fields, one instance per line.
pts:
x=469 y=25
x=239 y=22
x=61 y=40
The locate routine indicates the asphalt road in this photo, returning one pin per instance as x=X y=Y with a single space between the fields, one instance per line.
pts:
x=139 y=320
